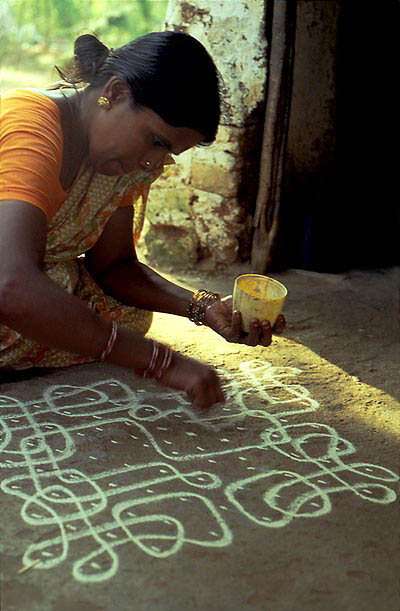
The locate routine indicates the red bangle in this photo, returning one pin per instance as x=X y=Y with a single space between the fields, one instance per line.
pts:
x=110 y=343
x=148 y=372
x=166 y=362
x=159 y=350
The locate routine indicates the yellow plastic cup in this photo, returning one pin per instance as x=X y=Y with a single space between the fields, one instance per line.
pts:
x=257 y=296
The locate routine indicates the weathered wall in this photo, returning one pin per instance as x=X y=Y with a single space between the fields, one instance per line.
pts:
x=200 y=210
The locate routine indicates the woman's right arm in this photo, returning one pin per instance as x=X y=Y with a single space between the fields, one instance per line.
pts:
x=32 y=304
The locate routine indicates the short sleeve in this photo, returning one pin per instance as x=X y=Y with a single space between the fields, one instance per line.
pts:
x=31 y=146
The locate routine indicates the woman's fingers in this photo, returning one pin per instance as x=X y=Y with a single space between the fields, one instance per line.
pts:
x=262 y=333
x=236 y=326
x=259 y=334
x=266 y=334
x=206 y=391
x=280 y=324
x=228 y=324
x=199 y=381
x=204 y=396
x=199 y=401
x=253 y=338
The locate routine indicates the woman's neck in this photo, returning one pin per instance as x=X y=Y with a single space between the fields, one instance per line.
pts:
x=75 y=150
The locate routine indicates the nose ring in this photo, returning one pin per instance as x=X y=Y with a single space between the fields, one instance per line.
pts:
x=147 y=163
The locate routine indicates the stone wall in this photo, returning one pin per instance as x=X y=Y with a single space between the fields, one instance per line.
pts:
x=200 y=210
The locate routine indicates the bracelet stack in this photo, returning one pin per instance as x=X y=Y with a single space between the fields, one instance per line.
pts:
x=198 y=305
x=159 y=361
x=110 y=343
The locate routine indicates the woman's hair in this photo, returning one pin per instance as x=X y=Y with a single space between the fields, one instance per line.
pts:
x=169 y=72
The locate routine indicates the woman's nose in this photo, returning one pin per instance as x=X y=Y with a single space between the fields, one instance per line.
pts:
x=154 y=162
x=146 y=165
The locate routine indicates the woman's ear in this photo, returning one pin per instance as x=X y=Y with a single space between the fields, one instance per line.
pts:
x=116 y=90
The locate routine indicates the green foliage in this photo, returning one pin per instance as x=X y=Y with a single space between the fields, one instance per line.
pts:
x=34 y=31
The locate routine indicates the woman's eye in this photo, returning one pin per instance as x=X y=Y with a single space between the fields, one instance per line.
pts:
x=158 y=142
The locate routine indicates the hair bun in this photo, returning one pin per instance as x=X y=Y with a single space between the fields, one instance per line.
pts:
x=89 y=56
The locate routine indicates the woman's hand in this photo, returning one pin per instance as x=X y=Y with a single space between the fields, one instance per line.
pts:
x=220 y=318
x=199 y=381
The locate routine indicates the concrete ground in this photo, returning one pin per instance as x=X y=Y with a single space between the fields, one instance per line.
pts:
x=117 y=496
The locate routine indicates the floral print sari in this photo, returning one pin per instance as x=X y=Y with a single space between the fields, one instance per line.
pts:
x=72 y=231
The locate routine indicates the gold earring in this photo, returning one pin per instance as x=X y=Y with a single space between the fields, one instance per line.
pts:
x=104 y=103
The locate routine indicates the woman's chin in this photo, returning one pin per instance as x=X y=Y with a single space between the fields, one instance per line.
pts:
x=110 y=168
x=110 y=173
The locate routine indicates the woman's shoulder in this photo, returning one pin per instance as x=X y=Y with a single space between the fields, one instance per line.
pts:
x=29 y=103
x=29 y=96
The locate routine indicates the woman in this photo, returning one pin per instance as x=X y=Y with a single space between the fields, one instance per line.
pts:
x=73 y=161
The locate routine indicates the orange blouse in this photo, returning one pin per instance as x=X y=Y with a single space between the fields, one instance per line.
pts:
x=31 y=146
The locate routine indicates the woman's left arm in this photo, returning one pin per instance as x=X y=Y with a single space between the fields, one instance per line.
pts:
x=114 y=265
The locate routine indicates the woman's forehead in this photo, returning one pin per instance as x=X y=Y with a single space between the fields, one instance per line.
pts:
x=176 y=139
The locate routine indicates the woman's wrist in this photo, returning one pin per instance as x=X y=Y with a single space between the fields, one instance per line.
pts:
x=146 y=357
x=159 y=362
x=110 y=342
x=200 y=301
x=130 y=350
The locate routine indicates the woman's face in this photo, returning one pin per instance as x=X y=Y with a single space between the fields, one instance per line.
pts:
x=124 y=140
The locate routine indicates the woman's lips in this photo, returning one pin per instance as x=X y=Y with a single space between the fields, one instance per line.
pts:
x=126 y=170
x=122 y=167
x=112 y=167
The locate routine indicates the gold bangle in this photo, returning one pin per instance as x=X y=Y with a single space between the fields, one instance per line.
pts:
x=198 y=305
